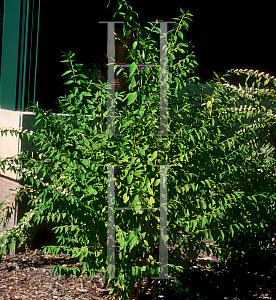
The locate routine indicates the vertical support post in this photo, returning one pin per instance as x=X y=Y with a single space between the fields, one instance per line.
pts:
x=111 y=266
x=163 y=125
x=111 y=80
x=163 y=233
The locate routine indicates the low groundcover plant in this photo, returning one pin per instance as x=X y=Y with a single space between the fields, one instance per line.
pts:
x=222 y=182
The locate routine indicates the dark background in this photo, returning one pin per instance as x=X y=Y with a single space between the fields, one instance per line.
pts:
x=224 y=37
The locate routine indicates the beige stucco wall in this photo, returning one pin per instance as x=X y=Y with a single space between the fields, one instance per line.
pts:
x=11 y=145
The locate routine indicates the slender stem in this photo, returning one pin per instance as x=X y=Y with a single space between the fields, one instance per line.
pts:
x=130 y=287
x=179 y=24
x=134 y=140
x=139 y=286
x=73 y=73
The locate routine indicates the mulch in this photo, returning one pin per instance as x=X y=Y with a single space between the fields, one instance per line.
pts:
x=28 y=276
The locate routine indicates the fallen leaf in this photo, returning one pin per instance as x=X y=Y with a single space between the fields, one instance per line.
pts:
x=82 y=290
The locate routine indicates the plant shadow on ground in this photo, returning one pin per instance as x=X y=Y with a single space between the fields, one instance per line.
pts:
x=250 y=274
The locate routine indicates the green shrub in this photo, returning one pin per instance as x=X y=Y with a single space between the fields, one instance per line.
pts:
x=220 y=185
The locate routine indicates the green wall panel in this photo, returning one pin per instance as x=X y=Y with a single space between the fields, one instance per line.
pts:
x=9 y=60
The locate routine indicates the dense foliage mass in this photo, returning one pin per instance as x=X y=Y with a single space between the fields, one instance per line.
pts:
x=222 y=181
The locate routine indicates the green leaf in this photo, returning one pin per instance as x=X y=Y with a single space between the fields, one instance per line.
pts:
x=203 y=204
x=68 y=82
x=151 y=201
x=134 y=271
x=67 y=72
x=11 y=244
x=80 y=257
x=171 y=56
x=135 y=45
x=142 y=151
x=208 y=183
x=129 y=178
x=222 y=234
x=231 y=231
x=127 y=123
x=138 y=173
x=151 y=270
x=131 y=98
x=180 y=34
x=125 y=198
x=37 y=182
x=148 y=185
x=185 y=239
x=145 y=147
x=132 y=239
x=135 y=201
x=157 y=182
x=133 y=83
x=266 y=82
x=132 y=69
x=210 y=235
x=229 y=145
x=133 y=159
x=153 y=156
x=193 y=224
x=91 y=191
x=203 y=221
x=142 y=112
x=86 y=94
x=86 y=162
